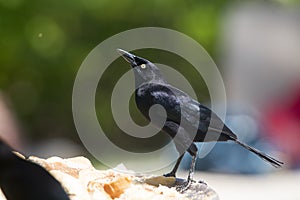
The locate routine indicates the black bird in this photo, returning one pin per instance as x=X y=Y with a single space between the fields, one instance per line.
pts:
x=21 y=179
x=185 y=115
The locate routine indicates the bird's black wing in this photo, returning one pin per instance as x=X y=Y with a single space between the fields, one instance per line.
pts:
x=184 y=110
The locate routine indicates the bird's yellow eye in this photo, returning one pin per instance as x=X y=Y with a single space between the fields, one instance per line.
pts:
x=143 y=66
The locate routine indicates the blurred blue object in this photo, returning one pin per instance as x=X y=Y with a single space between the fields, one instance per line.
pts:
x=227 y=157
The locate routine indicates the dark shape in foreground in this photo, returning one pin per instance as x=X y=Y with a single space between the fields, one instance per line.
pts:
x=23 y=180
x=185 y=115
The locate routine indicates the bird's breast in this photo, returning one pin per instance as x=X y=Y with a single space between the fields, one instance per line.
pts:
x=150 y=95
x=143 y=103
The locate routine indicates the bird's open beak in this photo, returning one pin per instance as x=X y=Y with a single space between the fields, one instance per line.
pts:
x=127 y=56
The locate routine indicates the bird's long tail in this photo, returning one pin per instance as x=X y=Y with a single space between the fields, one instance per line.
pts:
x=271 y=160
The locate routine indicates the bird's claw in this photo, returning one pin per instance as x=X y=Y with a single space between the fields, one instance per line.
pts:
x=202 y=182
x=184 y=186
x=169 y=175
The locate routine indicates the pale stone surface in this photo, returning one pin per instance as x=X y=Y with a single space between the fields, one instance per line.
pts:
x=83 y=182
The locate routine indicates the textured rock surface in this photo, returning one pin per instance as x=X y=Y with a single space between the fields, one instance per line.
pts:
x=83 y=182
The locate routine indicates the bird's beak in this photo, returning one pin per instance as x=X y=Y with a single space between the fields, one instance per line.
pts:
x=127 y=56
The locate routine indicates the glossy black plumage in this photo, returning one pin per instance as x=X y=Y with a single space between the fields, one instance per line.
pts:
x=23 y=180
x=185 y=115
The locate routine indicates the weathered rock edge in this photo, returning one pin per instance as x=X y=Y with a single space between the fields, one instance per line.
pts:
x=83 y=182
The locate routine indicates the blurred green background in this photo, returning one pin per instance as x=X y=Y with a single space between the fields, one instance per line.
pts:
x=44 y=42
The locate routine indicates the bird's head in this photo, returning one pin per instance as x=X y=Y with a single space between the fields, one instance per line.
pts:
x=144 y=70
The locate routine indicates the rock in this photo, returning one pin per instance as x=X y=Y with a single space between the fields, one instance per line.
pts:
x=160 y=180
x=83 y=182
x=117 y=187
x=196 y=191
x=201 y=191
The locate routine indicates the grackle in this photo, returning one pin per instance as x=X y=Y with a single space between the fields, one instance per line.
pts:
x=21 y=179
x=184 y=114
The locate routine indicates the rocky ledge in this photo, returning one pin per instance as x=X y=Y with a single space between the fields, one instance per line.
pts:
x=83 y=182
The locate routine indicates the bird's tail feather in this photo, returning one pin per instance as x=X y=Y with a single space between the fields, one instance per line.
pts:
x=262 y=155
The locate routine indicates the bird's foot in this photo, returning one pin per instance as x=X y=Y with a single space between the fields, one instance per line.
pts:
x=202 y=182
x=184 y=186
x=171 y=174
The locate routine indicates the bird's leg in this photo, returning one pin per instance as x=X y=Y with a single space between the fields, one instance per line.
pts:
x=192 y=168
x=174 y=170
x=193 y=151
